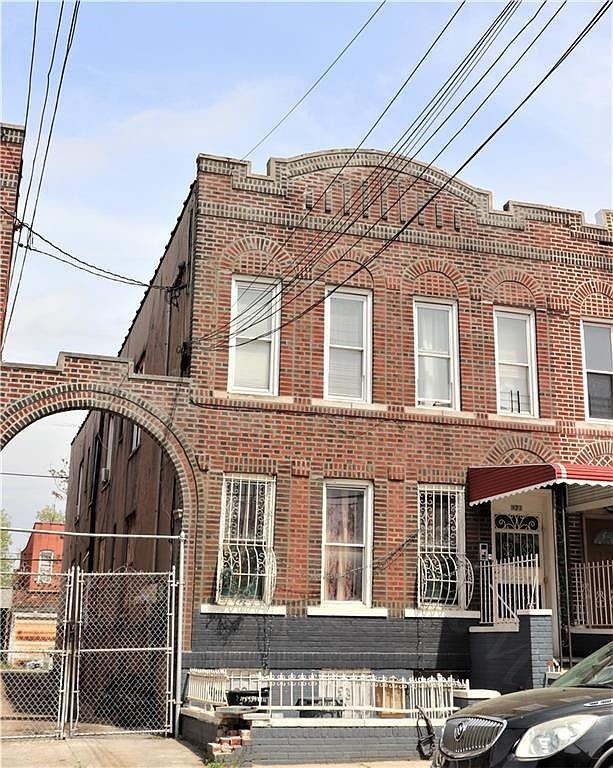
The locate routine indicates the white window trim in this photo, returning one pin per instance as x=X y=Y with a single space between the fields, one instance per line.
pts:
x=79 y=491
x=591 y=321
x=135 y=437
x=349 y=607
x=110 y=440
x=273 y=374
x=513 y=311
x=232 y=603
x=363 y=293
x=47 y=577
x=454 y=351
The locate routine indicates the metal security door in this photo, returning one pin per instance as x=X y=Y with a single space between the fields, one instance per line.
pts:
x=122 y=662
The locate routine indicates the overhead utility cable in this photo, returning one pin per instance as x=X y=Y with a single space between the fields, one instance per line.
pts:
x=316 y=83
x=577 y=41
x=457 y=77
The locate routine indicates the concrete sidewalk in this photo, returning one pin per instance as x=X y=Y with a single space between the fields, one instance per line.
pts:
x=132 y=751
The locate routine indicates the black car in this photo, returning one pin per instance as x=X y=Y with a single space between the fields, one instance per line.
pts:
x=569 y=725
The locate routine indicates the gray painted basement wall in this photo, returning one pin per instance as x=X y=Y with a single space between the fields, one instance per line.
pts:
x=511 y=661
x=316 y=642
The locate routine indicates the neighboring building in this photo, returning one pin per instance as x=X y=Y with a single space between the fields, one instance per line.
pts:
x=428 y=450
x=38 y=591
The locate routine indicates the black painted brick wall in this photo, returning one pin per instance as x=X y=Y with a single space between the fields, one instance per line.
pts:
x=316 y=642
x=511 y=661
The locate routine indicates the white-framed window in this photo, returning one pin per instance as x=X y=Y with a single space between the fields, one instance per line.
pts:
x=445 y=576
x=136 y=436
x=598 y=368
x=45 y=566
x=347 y=354
x=79 y=491
x=347 y=542
x=108 y=453
x=515 y=347
x=436 y=353
x=253 y=364
x=246 y=566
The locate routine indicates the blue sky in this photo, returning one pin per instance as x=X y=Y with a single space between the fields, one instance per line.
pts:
x=149 y=85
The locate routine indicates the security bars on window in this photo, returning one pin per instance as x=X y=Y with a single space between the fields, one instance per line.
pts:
x=246 y=565
x=445 y=575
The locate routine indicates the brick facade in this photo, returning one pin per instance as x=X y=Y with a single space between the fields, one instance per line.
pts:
x=235 y=223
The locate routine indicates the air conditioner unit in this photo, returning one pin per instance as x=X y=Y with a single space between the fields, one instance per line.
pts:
x=105 y=475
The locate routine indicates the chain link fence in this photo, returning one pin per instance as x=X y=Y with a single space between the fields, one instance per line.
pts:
x=87 y=653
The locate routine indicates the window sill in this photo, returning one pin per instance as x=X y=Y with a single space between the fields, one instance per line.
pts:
x=256 y=610
x=236 y=394
x=595 y=424
x=440 y=613
x=439 y=411
x=521 y=418
x=346 y=610
x=360 y=405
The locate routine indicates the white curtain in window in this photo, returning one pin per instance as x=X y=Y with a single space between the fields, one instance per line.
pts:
x=252 y=364
x=513 y=339
x=433 y=329
x=344 y=544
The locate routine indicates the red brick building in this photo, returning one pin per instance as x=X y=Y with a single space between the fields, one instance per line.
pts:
x=343 y=521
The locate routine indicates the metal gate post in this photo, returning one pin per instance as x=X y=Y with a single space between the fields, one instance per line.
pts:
x=179 y=672
x=73 y=686
x=67 y=645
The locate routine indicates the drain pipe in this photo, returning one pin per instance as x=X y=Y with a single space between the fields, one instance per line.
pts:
x=179 y=668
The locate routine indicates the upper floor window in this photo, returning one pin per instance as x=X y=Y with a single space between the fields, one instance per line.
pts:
x=253 y=365
x=45 y=566
x=347 y=361
x=79 y=491
x=598 y=369
x=105 y=470
x=436 y=354
x=347 y=533
x=515 y=362
x=246 y=565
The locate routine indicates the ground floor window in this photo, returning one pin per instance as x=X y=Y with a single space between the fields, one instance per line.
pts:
x=246 y=564
x=346 y=557
x=445 y=576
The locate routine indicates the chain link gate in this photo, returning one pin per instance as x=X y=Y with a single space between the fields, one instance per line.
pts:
x=88 y=653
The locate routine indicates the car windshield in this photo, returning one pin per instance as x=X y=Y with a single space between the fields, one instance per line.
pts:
x=594 y=671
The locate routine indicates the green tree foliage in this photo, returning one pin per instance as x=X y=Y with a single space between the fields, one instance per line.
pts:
x=50 y=514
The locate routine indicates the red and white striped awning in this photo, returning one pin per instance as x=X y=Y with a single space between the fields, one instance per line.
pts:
x=489 y=483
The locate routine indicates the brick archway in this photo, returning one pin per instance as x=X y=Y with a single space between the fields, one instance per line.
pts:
x=156 y=403
x=99 y=397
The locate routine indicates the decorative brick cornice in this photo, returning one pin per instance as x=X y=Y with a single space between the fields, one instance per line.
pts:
x=514 y=215
x=255 y=215
x=11 y=134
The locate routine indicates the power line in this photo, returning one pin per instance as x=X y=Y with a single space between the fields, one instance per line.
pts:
x=42 y=112
x=69 y=41
x=446 y=91
x=586 y=30
x=31 y=474
x=421 y=175
x=86 y=266
x=348 y=160
x=316 y=83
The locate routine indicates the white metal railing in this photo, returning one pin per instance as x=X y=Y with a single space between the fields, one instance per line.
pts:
x=326 y=694
x=445 y=579
x=592 y=594
x=508 y=586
